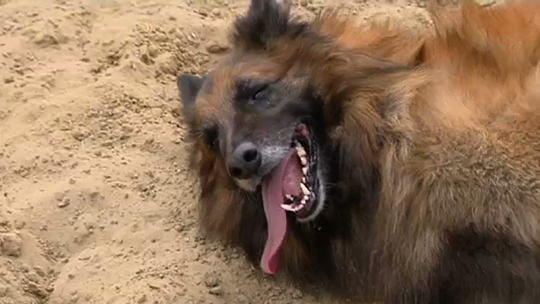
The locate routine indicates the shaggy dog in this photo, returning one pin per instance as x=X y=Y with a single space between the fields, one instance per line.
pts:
x=379 y=163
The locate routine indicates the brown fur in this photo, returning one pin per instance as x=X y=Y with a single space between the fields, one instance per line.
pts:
x=443 y=125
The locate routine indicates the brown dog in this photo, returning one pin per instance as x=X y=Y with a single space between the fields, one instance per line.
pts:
x=381 y=164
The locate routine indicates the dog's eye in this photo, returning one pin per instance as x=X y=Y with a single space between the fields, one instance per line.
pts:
x=252 y=92
x=259 y=93
x=211 y=136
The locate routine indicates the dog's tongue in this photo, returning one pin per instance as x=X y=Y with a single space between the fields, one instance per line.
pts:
x=285 y=179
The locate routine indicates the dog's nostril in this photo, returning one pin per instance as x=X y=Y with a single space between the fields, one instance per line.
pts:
x=250 y=155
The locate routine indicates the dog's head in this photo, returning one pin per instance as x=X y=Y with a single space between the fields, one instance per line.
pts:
x=258 y=118
x=265 y=124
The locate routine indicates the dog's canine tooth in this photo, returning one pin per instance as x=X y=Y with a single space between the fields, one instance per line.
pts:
x=305 y=190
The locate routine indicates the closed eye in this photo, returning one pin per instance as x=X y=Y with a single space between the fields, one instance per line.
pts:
x=251 y=91
x=259 y=95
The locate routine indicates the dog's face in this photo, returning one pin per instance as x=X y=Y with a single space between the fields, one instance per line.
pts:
x=261 y=123
x=263 y=128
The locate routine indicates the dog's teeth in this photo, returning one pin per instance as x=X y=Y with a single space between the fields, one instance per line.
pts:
x=305 y=199
x=304 y=170
x=300 y=151
x=304 y=189
x=289 y=197
x=287 y=207
x=303 y=202
x=303 y=180
x=303 y=160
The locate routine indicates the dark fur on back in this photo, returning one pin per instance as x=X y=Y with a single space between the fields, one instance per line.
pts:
x=432 y=149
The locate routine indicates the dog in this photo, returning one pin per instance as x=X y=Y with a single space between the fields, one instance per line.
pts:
x=377 y=163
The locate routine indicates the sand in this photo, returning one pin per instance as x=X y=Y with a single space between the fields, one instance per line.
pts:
x=96 y=203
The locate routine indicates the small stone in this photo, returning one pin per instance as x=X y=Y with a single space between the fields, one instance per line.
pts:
x=217 y=291
x=10 y=244
x=215 y=47
x=178 y=228
x=9 y=79
x=152 y=50
x=142 y=299
x=80 y=136
x=64 y=203
x=212 y=279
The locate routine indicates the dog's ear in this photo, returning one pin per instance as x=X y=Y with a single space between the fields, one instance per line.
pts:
x=189 y=87
x=265 y=20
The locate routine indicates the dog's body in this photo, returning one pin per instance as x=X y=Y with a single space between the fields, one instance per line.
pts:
x=421 y=182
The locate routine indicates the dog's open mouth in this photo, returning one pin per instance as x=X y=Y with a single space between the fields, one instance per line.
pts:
x=299 y=174
x=291 y=187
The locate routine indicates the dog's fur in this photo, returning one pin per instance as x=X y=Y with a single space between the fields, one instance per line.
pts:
x=431 y=143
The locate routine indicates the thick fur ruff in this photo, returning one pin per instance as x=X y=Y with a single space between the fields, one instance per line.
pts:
x=432 y=149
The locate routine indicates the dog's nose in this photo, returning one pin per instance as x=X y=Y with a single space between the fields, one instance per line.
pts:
x=244 y=161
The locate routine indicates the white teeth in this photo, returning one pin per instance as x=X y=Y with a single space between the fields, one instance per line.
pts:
x=303 y=180
x=287 y=207
x=305 y=198
x=304 y=170
x=303 y=202
x=303 y=160
x=300 y=151
x=304 y=189
x=289 y=197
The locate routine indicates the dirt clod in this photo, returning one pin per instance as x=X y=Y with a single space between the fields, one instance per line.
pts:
x=10 y=244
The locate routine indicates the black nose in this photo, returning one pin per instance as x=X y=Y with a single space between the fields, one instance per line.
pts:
x=244 y=161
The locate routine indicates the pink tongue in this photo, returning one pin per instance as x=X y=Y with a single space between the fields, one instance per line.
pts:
x=285 y=179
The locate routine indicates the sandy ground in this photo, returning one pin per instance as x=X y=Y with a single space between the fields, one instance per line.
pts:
x=96 y=204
